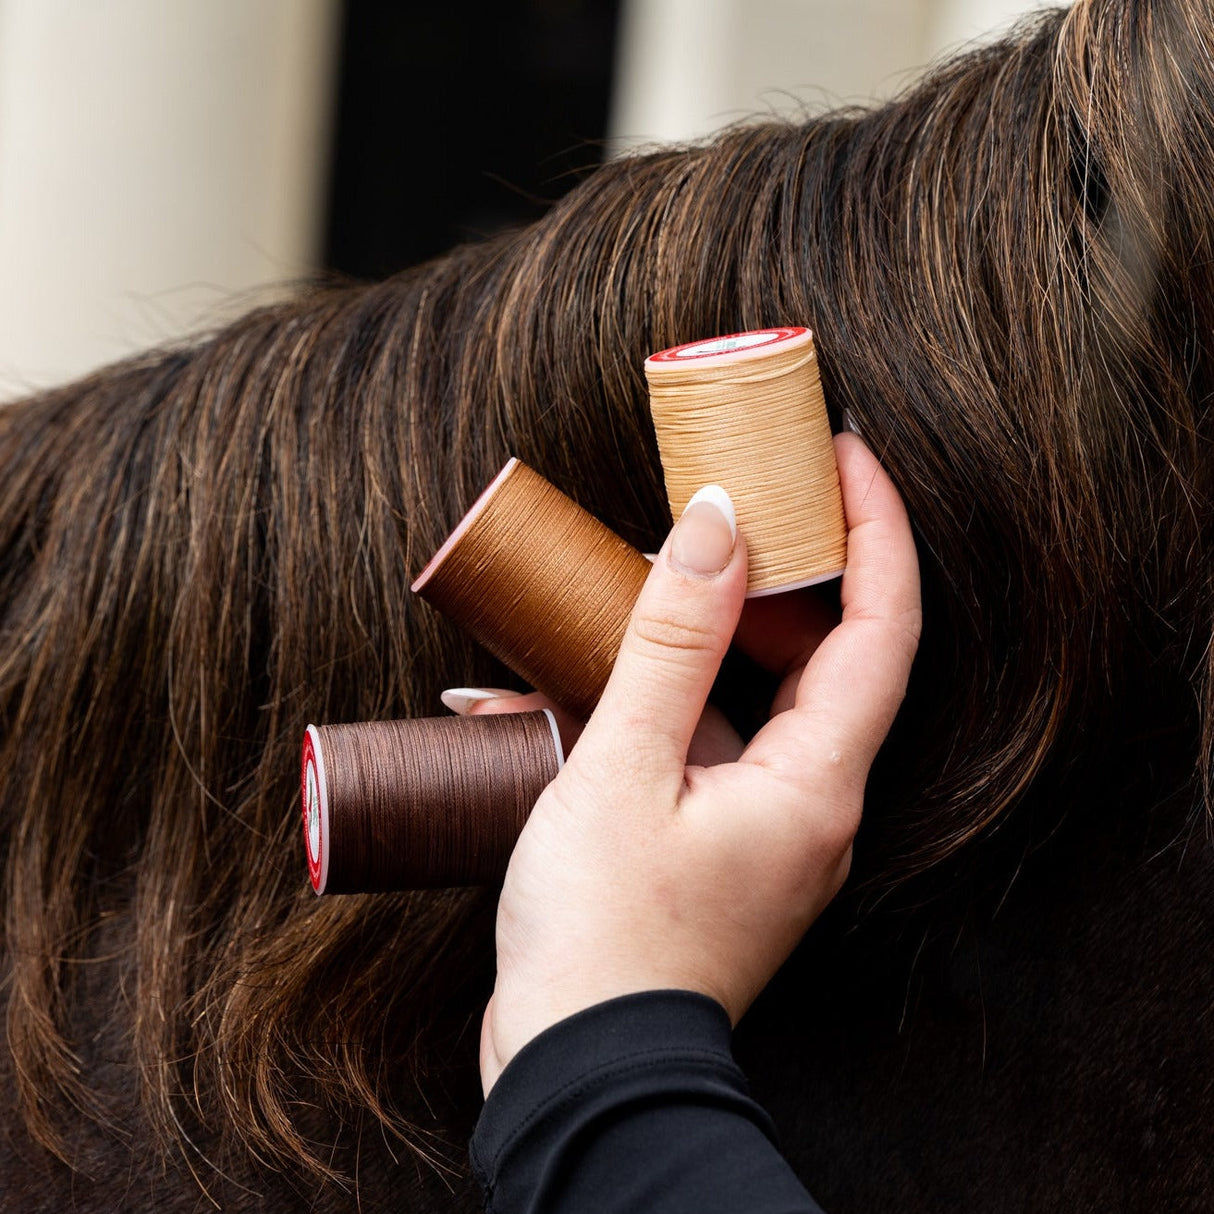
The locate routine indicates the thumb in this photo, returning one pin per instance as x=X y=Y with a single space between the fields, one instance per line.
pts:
x=680 y=629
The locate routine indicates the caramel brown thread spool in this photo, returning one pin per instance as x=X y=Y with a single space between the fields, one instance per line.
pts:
x=541 y=584
x=421 y=804
x=746 y=412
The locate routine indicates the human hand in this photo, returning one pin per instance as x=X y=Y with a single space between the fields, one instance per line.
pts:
x=638 y=870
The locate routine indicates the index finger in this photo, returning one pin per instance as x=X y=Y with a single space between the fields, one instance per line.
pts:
x=853 y=684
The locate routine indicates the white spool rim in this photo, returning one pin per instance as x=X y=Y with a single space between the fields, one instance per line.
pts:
x=556 y=738
x=462 y=526
x=730 y=347
x=315 y=797
x=787 y=586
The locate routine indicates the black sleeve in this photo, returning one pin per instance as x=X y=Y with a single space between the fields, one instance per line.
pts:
x=633 y=1105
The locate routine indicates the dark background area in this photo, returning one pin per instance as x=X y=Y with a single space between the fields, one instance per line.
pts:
x=455 y=121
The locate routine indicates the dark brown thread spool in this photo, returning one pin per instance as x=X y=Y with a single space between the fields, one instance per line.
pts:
x=541 y=584
x=421 y=804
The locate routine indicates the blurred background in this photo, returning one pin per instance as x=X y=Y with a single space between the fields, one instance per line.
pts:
x=166 y=164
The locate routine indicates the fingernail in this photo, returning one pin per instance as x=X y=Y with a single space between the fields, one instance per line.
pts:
x=461 y=699
x=850 y=423
x=704 y=536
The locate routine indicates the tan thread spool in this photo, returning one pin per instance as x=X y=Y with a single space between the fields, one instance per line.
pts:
x=541 y=584
x=421 y=804
x=746 y=412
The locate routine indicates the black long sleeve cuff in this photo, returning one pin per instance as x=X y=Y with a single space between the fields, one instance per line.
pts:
x=633 y=1105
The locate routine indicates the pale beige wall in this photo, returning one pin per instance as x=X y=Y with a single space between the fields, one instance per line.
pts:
x=159 y=160
x=163 y=161
x=954 y=22
x=686 y=67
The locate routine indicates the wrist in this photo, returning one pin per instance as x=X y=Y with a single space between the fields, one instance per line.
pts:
x=494 y=1060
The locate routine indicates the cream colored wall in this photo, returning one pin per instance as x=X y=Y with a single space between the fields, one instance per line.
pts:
x=162 y=162
x=159 y=161
x=686 y=67
x=954 y=22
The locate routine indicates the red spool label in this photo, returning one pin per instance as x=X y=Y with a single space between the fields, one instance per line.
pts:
x=730 y=343
x=310 y=797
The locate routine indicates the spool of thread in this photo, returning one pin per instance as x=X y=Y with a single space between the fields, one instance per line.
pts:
x=746 y=412
x=421 y=804
x=540 y=583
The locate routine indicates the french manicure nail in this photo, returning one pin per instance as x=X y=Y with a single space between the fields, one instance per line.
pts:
x=704 y=536
x=850 y=424
x=461 y=699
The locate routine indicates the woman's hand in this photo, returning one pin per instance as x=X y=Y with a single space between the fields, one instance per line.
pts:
x=639 y=871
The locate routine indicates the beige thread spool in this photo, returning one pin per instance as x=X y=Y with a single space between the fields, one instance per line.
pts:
x=746 y=412
x=541 y=584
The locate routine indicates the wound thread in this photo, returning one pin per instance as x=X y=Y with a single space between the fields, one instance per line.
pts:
x=424 y=803
x=746 y=412
x=548 y=589
x=541 y=584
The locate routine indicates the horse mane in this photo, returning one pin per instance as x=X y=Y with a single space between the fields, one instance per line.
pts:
x=1009 y=274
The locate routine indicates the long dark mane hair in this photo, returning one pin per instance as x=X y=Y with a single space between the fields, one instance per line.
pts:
x=1010 y=273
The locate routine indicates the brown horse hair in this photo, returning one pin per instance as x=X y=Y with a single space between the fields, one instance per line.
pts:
x=1009 y=274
